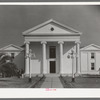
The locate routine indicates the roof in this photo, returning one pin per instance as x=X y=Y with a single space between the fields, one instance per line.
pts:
x=11 y=47
x=44 y=29
x=90 y=47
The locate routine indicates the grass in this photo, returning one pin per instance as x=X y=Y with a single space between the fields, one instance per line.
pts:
x=40 y=83
x=15 y=82
x=82 y=82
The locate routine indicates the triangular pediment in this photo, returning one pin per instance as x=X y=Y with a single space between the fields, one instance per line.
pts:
x=51 y=27
x=11 y=47
x=91 y=47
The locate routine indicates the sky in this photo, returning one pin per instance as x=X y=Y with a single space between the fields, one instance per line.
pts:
x=14 y=19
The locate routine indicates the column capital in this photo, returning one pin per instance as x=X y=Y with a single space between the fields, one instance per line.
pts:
x=77 y=42
x=26 y=42
x=43 y=42
x=60 y=42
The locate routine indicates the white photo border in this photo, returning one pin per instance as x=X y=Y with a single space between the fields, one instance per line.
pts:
x=53 y=93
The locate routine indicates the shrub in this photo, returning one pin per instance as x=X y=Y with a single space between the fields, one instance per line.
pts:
x=8 y=69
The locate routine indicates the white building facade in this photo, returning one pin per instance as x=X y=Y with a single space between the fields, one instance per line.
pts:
x=11 y=50
x=50 y=43
x=90 y=59
x=53 y=48
x=16 y=52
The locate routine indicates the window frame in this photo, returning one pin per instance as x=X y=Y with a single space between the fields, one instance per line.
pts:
x=13 y=55
x=92 y=55
x=93 y=65
x=50 y=52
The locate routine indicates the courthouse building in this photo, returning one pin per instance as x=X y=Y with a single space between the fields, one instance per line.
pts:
x=50 y=43
x=54 y=48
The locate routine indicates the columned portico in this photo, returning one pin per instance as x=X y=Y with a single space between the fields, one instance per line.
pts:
x=44 y=55
x=77 y=57
x=55 y=41
x=61 y=55
x=27 y=62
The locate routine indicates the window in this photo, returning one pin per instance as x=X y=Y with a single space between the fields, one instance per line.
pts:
x=12 y=55
x=52 y=29
x=92 y=66
x=92 y=55
x=52 y=52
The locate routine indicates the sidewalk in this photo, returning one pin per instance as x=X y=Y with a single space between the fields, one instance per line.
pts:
x=52 y=82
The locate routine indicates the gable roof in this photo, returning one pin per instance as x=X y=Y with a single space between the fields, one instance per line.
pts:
x=11 y=47
x=91 y=47
x=51 y=21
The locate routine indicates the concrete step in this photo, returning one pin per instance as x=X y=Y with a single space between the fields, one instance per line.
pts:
x=52 y=75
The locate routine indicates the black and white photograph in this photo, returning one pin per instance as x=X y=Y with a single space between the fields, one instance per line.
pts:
x=50 y=46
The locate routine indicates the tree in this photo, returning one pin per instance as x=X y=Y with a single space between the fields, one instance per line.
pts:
x=7 y=69
x=2 y=58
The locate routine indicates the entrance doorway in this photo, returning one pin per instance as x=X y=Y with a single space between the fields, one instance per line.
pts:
x=52 y=59
x=52 y=66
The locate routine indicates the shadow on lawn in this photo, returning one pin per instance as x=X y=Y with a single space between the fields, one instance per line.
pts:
x=91 y=81
x=6 y=80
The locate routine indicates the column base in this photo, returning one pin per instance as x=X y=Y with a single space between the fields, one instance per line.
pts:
x=30 y=79
x=77 y=74
x=73 y=79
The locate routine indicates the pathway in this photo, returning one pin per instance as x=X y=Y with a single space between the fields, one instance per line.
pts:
x=52 y=82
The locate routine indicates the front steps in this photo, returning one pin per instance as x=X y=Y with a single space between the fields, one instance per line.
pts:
x=52 y=75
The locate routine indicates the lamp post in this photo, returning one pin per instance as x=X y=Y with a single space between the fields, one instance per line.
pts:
x=30 y=54
x=72 y=55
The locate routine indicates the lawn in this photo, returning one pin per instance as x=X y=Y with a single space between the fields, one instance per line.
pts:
x=15 y=82
x=83 y=82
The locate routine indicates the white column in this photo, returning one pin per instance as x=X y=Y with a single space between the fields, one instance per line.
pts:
x=73 y=66
x=44 y=55
x=61 y=55
x=78 y=57
x=75 y=59
x=27 y=62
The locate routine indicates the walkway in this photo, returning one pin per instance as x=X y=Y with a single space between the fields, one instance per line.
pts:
x=52 y=82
